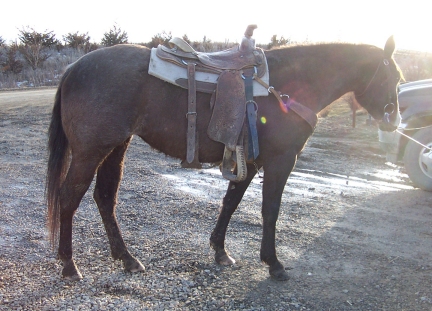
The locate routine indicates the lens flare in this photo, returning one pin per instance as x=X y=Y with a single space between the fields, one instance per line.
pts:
x=263 y=120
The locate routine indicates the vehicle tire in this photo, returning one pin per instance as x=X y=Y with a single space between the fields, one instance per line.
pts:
x=418 y=159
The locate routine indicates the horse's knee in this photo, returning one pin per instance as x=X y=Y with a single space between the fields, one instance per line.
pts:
x=96 y=196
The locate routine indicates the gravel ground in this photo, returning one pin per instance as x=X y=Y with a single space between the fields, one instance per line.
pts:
x=353 y=232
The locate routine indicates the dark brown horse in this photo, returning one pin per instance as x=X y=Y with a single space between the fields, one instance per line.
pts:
x=107 y=96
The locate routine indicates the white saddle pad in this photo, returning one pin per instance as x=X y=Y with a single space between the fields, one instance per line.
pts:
x=170 y=73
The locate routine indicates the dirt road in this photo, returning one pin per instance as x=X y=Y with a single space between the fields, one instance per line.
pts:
x=353 y=231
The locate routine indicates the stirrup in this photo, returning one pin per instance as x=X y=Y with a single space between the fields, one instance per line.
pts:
x=229 y=164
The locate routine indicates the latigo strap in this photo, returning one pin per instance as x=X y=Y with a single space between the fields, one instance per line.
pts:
x=191 y=115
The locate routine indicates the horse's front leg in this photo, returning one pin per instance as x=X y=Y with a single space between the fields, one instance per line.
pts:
x=276 y=172
x=231 y=200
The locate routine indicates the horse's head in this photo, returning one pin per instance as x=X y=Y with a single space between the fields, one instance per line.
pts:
x=378 y=90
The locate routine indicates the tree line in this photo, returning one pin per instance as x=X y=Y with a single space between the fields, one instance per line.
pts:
x=39 y=58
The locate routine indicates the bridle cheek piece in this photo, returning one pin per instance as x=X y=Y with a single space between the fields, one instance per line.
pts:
x=389 y=109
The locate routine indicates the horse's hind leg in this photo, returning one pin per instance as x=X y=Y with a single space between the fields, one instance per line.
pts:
x=77 y=181
x=105 y=194
x=231 y=200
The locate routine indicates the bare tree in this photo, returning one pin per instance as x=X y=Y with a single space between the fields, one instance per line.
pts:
x=35 y=46
x=160 y=38
x=76 y=40
x=414 y=65
x=275 y=42
x=79 y=41
x=186 y=38
x=114 y=36
x=10 y=63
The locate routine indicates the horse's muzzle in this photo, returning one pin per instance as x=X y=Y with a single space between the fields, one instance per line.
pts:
x=387 y=127
x=390 y=121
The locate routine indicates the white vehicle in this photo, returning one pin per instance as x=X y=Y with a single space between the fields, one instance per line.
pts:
x=415 y=103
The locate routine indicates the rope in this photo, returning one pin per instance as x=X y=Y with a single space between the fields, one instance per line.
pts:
x=415 y=128
x=416 y=141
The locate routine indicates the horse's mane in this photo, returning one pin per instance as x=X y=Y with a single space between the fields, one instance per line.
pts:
x=323 y=48
x=356 y=50
x=306 y=69
x=334 y=43
x=317 y=57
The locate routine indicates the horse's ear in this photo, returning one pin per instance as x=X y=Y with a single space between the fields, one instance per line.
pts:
x=389 y=47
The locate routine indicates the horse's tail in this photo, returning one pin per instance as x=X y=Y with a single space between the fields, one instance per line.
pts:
x=58 y=148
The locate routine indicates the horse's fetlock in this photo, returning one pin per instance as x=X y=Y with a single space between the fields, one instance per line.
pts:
x=116 y=256
x=268 y=260
x=217 y=241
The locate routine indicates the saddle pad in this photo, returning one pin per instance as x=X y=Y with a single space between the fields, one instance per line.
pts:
x=170 y=72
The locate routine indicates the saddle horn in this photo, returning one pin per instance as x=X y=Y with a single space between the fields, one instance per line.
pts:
x=249 y=30
x=248 y=43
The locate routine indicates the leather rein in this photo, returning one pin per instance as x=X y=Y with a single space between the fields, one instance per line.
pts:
x=307 y=114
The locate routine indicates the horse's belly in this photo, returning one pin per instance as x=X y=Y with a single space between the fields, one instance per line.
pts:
x=174 y=144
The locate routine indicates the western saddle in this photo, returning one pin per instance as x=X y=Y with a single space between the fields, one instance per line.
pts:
x=233 y=120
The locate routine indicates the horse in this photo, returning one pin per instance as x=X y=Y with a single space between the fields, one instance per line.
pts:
x=107 y=96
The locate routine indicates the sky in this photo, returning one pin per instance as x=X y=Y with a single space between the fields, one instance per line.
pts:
x=363 y=21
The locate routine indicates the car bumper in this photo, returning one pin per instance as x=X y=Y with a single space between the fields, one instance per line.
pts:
x=390 y=143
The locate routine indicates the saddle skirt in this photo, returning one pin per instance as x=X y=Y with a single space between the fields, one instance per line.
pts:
x=173 y=69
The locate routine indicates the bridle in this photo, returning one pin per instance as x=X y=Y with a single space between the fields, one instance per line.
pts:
x=389 y=109
x=390 y=106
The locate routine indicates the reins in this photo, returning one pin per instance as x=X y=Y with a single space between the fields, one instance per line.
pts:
x=306 y=113
x=386 y=64
x=414 y=140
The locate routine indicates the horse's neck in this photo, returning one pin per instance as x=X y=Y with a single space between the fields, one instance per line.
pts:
x=318 y=75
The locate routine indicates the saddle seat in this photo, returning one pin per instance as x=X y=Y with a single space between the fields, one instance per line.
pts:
x=234 y=58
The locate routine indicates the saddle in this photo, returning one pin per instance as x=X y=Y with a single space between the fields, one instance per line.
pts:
x=234 y=58
x=228 y=76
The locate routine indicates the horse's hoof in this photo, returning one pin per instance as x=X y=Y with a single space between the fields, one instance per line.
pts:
x=137 y=267
x=224 y=259
x=70 y=271
x=132 y=264
x=279 y=274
